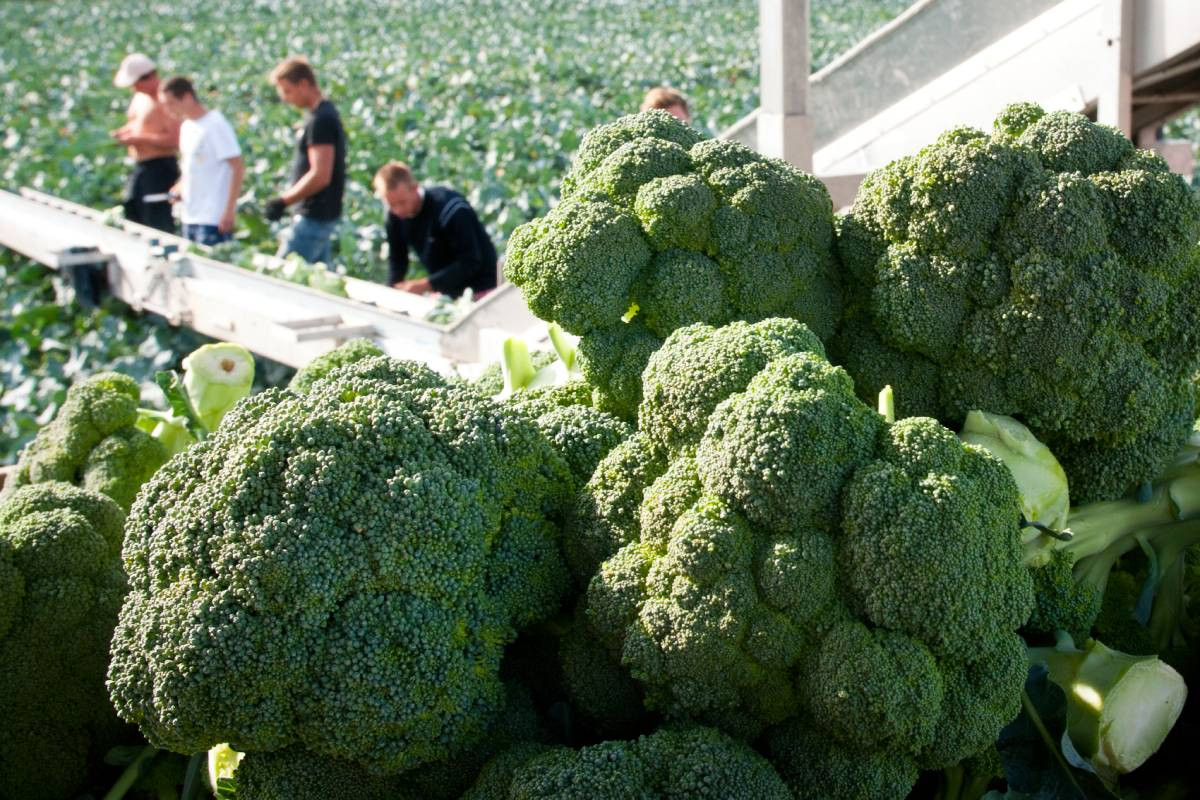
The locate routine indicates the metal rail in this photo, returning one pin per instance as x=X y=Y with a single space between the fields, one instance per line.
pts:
x=290 y=323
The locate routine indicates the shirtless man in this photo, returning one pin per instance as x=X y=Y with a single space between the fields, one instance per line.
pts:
x=152 y=136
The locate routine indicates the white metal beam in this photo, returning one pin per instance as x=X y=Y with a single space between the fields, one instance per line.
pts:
x=784 y=129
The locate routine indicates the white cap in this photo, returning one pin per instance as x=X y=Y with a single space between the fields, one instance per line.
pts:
x=133 y=66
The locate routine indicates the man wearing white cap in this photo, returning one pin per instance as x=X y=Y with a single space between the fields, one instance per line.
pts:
x=152 y=137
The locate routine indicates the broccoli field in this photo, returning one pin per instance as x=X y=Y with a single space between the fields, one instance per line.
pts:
x=894 y=501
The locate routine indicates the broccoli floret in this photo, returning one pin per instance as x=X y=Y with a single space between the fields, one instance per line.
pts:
x=701 y=365
x=297 y=774
x=94 y=442
x=600 y=689
x=688 y=761
x=61 y=586
x=351 y=352
x=962 y=499
x=338 y=570
x=817 y=766
x=605 y=515
x=809 y=557
x=1047 y=272
x=582 y=435
x=612 y=361
x=659 y=229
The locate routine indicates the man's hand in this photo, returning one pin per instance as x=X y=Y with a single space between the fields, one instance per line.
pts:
x=126 y=136
x=414 y=286
x=225 y=225
x=274 y=209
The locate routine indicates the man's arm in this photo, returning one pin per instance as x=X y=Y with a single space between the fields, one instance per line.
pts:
x=319 y=175
x=397 y=251
x=235 y=189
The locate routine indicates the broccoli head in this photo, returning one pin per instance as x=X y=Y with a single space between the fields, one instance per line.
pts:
x=659 y=228
x=806 y=557
x=1048 y=272
x=676 y=762
x=61 y=586
x=339 y=570
x=816 y=767
x=94 y=442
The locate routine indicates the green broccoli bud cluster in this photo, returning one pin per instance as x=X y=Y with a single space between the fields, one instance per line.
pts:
x=339 y=570
x=795 y=555
x=1049 y=272
x=660 y=228
x=61 y=586
x=94 y=442
x=686 y=761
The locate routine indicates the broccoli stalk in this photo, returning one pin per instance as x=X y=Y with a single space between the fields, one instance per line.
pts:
x=1120 y=707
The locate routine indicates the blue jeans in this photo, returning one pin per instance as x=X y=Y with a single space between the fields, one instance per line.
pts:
x=205 y=234
x=311 y=238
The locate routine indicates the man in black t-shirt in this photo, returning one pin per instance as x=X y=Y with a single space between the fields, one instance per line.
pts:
x=319 y=171
x=440 y=225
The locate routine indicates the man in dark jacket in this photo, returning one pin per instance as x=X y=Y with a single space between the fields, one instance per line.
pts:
x=442 y=228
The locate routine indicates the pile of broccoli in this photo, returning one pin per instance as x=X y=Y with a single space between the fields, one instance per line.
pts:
x=660 y=228
x=1048 y=271
x=61 y=587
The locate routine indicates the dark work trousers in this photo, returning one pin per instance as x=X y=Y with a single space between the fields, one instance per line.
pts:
x=152 y=176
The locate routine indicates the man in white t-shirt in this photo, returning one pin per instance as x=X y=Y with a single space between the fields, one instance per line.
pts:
x=211 y=163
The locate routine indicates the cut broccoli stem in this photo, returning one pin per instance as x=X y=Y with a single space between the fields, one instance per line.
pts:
x=1096 y=527
x=1120 y=707
x=887 y=404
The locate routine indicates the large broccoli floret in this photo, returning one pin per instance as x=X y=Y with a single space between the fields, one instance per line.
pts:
x=807 y=557
x=338 y=570
x=94 y=442
x=690 y=761
x=61 y=586
x=660 y=228
x=1048 y=272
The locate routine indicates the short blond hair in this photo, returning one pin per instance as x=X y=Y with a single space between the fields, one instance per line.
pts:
x=293 y=69
x=665 y=97
x=391 y=175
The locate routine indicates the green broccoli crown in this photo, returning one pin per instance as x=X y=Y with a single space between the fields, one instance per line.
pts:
x=961 y=498
x=612 y=361
x=338 y=570
x=1048 y=272
x=605 y=516
x=805 y=556
x=94 y=442
x=1062 y=603
x=61 y=586
x=351 y=352
x=671 y=229
x=687 y=761
x=297 y=774
x=600 y=689
x=699 y=366
x=817 y=766
x=582 y=435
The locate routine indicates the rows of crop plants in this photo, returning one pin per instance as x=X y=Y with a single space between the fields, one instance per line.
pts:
x=903 y=502
x=487 y=97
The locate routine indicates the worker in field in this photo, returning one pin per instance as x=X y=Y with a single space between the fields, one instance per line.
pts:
x=319 y=169
x=670 y=100
x=211 y=161
x=441 y=227
x=151 y=136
